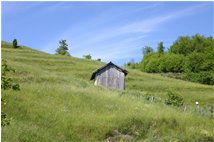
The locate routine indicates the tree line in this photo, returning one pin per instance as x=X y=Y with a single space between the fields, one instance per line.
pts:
x=189 y=58
x=63 y=50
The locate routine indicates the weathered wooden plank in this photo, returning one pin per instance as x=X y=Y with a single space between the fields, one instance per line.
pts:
x=110 y=77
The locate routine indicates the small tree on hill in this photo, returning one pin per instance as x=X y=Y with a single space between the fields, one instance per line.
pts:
x=15 y=43
x=87 y=56
x=63 y=48
x=147 y=50
x=99 y=59
x=160 y=47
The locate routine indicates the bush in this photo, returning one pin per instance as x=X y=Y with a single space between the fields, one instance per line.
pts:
x=15 y=43
x=87 y=56
x=171 y=63
x=186 y=45
x=6 y=83
x=174 y=99
x=194 y=62
x=99 y=60
x=201 y=77
x=63 y=48
x=153 y=66
x=150 y=63
x=191 y=56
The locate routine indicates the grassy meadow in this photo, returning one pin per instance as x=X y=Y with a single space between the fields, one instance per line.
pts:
x=58 y=102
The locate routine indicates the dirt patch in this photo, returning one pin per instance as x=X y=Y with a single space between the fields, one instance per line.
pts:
x=115 y=136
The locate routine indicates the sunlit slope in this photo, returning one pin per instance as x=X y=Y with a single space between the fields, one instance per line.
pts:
x=58 y=102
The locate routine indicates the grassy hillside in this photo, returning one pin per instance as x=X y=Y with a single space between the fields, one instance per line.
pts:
x=58 y=102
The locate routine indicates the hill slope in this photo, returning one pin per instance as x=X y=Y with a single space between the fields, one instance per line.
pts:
x=58 y=102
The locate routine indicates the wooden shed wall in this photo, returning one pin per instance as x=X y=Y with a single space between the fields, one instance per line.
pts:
x=110 y=77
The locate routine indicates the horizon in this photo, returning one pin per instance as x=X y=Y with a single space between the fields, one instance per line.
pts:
x=112 y=31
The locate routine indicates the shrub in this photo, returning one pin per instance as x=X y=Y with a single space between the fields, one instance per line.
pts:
x=201 y=77
x=15 y=43
x=6 y=83
x=63 y=48
x=5 y=120
x=87 y=56
x=146 y=60
x=194 y=62
x=186 y=45
x=174 y=99
x=171 y=63
x=147 y=50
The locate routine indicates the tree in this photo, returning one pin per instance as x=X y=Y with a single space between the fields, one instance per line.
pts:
x=15 y=43
x=160 y=48
x=147 y=50
x=63 y=48
x=182 y=45
x=6 y=83
x=172 y=63
x=195 y=62
x=186 y=45
x=87 y=56
x=99 y=59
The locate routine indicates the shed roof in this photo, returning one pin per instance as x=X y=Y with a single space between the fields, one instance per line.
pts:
x=110 y=63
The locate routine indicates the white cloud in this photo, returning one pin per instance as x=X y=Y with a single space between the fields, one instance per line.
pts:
x=97 y=42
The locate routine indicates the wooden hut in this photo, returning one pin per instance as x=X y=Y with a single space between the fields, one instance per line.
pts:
x=110 y=76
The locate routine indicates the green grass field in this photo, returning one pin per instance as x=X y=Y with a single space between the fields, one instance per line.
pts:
x=58 y=102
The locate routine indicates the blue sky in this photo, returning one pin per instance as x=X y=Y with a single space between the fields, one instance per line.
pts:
x=112 y=31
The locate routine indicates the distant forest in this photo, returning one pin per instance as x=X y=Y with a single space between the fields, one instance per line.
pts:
x=188 y=58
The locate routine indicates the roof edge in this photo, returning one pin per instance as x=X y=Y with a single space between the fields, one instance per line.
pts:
x=110 y=63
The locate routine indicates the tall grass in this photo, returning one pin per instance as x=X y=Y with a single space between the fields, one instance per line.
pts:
x=58 y=102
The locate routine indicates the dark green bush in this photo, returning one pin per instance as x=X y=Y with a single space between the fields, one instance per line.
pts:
x=87 y=56
x=194 y=62
x=174 y=99
x=186 y=45
x=193 y=57
x=146 y=59
x=171 y=63
x=63 y=48
x=201 y=77
x=6 y=83
x=15 y=43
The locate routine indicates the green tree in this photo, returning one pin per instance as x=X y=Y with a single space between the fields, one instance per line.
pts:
x=99 y=59
x=147 y=50
x=6 y=83
x=194 y=62
x=15 y=43
x=63 y=48
x=172 y=63
x=160 y=48
x=87 y=56
x=186 y=45
x=191 y=57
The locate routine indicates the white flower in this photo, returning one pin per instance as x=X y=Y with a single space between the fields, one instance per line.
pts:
x=196 y=103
